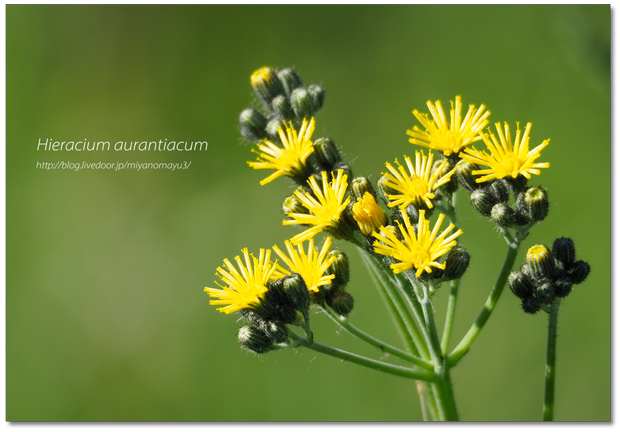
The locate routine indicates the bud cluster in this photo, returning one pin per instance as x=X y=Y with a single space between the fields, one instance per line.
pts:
x=547 y=275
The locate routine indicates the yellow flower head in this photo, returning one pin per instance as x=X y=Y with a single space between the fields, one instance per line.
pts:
x=538 y=253
x=446 y=138
x=369 y=216
x=311 y=266
x=420 y=251
x=506 y=159
x=326 y=206
x=290 y=160
x=418 y=185
x=246 y=287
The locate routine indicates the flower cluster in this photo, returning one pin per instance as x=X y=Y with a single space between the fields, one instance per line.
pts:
x=547 y=276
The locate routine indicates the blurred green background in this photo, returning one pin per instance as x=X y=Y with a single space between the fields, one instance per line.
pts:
x=106 y=314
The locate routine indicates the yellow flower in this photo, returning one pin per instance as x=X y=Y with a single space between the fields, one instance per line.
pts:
x=325 y=207
x=369 y=216
x=506 y=159
x=311 y=267
x=420 y=251
x=246 y=287
x=419 y=184
x=290 y=160
x=448 y=139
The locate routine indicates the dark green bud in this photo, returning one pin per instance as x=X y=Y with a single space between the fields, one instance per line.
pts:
x=579 y=272
x=414 y=213
x=341 y=302
x=436 y=273
x=452 y=185
x=465 y=177
x=516 y=185
x=302 y=103
x=383 y=190
x=530 y=305
x=499 y=190
x=535 y=204
x=282 y=107
x=253 y=124
x=251 y=317
x=521 y=285
x=272 y=128
x=326 y=153
x=276 y=331
x=563 y=250
x=293 y=205
x=290 y=80
x=339 y=268
x=317 y=95
x=254 y=339
x=297 y=292
x=521 y=219
x=283 y=309
x=503 y=215
x=545 y=293
x=345 y=167
x=562 y=287
x=541 y=262
x=361 y=185
x=266 y=85
x=456 y=263
x=482 y=201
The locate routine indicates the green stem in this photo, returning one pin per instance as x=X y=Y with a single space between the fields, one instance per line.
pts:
x=447 y=329
x=382 y=280
x=417 y=374
x=550 y=369
x=346 y=324
x=489 y=306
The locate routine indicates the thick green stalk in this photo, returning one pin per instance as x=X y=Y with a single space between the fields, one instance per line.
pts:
x=417 y=374
x=550 y=369
x=346 y=324
x=447 y=329
x=488 y=308
x=378 y=273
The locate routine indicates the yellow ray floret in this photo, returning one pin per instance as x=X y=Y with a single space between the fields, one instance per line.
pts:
x=444 y=137
x=420 y=251
x=417 y=186
x=311 y=266
x=506 y=159
x=368 y=215
x=325 y=207
x=290 y=160
x=243 y=288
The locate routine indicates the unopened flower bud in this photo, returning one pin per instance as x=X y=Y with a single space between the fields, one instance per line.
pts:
x=345 y=167
x=482 y=201
x=302 y=103
x=503 y=215
x=562 y=287
x=545 y=293
x=276 y=331
x=361 y=185
x=579 y=272
x=290 y=80
x=530 y=305
x=272 y=128
x=456 y=263
x=282 y=107
x=499 y=190
x=465 y=177
x=516 y=185
x=414 y=213
x=266 y=85
x=521 y=285
x=447 y=189
x=540 y=261
x=339 y=268
x=293 y=205
x=254 y=339
x=283 y=309
x=253 y=123
x=326 y=153
x=383 y=190
x=368 y=215
x=563 y=250
x=297 y=292
x=535 y=204
x=317 y=95
x=341 y=302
